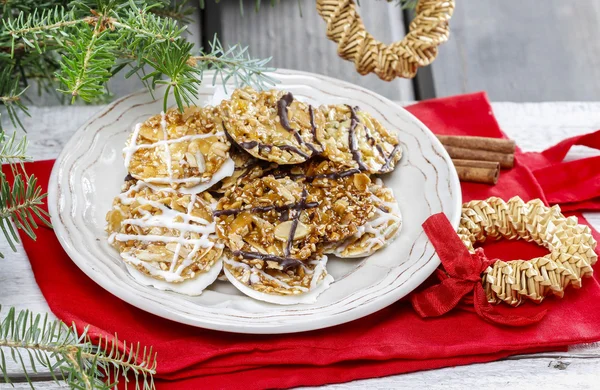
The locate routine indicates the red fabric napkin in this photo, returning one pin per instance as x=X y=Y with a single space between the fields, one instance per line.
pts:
x=393 y=340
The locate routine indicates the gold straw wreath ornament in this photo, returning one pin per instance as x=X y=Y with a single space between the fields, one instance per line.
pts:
x=571 y=246
x=419 y=47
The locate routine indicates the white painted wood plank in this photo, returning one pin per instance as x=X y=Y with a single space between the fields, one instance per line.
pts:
x=534 y=126
x=38 y=386
x=543 y=373
x=528 y=50
x=300 y=42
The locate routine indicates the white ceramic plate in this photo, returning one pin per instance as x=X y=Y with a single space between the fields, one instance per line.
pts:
x=89 y=173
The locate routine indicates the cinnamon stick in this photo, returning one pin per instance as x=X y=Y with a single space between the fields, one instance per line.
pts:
x=498 y=145
x=486 y=172
x=506 y=160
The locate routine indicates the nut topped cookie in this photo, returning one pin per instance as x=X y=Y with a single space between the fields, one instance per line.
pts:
x=381 y=228
x=268 y=219
x=247 y=168
x=272 y=125
x=355 y=139
x=186 y=151
x=285 y=287
x=167 y=240
x=344 y=202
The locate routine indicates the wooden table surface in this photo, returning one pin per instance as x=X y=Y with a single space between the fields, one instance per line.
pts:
x=534 y=126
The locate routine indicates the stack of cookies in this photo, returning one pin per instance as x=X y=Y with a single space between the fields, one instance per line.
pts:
x=261 y=188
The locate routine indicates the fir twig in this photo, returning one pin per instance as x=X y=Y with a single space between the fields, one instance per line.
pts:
x=11 y=97
x=21 y=205
x=11 y=150
x=34 y=340
x=234 y=63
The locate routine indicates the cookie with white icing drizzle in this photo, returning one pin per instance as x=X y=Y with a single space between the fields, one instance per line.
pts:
x=272 y=125
x=185 y=151
x=354 y=138
x=302 y=284
x=167 y=239
x=379 y=231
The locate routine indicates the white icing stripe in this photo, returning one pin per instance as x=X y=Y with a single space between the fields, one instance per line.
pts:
x=183 y=232
x=135 y=148
x=151 y=238
x=168 y=162
x=169 y=180
x=224 y=171
x=157 y=222
x=134 y=136
x=380 y=226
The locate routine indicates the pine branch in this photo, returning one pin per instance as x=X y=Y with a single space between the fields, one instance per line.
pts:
x=85 y=67
x=21 y=205
x=71 y=357
x=10 y=96
x=234 y=63
x=40 y=26
x=171 y=61
x=141 y=28
x=11 y=150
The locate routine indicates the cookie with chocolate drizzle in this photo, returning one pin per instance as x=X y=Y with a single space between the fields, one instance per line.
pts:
x=355 y=139
x=247 y=168
x=379 y=231
x=270 y=221
x=185 y=151
x=272 y=125
x=166 y=239
x=344 y=200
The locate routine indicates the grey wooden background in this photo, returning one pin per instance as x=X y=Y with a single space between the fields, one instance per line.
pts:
x=527 y=50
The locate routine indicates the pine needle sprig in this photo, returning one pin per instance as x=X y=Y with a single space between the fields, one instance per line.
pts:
x=234 y=63
x=37 y=28
x=141 y=28
x=86 y=64
x=11 y=150
x=21 y=204
x=11 y=93
x=172 y=68
x=34 y=340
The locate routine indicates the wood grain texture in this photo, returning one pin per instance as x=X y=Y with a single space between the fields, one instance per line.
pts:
x=532 y=51
x=299 y=42
x=534 y=126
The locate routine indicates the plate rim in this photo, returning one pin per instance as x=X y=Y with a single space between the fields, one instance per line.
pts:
x=356 y=312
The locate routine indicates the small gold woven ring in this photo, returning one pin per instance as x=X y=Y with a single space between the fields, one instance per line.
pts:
x=418 y=48
x=571 y=246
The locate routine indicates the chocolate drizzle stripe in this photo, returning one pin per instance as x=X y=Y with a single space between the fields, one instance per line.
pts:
x=293 y=149
x=389 y=158
x=313 y=130
x=297 y=211
x=282 y=106
x=285 y=262
x=263 y=147
x=264 y=209
x=331 y=176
